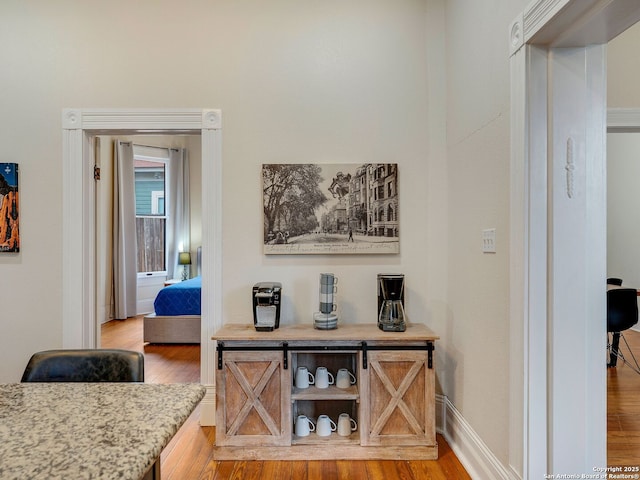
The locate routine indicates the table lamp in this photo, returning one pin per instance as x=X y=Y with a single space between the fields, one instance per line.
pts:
x=184 y=258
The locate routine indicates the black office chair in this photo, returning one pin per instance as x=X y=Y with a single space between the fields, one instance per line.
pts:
x=86 y=365
x=622 y=313
x=614 y=281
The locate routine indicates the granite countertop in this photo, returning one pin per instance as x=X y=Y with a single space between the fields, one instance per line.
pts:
x=92 y=431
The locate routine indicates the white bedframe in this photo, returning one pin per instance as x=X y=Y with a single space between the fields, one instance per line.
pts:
x=172 y=329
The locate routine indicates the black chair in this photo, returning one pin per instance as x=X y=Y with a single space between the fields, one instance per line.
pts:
x=614 y=281
x=86 y=365
x=622 y=313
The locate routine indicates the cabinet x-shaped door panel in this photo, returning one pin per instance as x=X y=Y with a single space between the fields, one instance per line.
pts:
x=253 y=399
x=254 y=387
x=399 y=388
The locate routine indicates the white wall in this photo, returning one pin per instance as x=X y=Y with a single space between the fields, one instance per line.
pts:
x=623 y=69
x=324 y=82
x=297 y=82
x=331 y=86
x=477 y=327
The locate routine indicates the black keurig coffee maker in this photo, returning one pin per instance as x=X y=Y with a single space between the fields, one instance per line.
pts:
x=391 y=317
x=267 y=297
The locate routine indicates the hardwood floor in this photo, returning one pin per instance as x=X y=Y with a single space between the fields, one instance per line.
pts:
x=623 y=408
x=189 y=455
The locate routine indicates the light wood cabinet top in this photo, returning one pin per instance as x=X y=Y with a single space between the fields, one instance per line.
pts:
x=304 y=332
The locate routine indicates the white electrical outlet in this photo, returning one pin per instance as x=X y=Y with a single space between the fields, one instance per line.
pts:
x=489 y=240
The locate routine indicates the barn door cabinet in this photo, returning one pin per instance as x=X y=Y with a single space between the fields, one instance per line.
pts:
x=392 y=401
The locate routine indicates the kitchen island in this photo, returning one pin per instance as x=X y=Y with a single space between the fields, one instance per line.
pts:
x=97 y=431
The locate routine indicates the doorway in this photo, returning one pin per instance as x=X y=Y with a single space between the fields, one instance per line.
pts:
x=150 y=187
x=558 y=124
x=80 y=127
x=153 y=199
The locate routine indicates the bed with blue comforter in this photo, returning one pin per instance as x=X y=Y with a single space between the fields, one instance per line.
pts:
x=182 y=298
x=177 y=314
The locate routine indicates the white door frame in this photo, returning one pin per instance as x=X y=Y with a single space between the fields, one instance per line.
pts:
x=79 y=128
x=553 y=135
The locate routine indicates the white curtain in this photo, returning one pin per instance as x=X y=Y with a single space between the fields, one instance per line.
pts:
x=179 y=215
x=124 y=232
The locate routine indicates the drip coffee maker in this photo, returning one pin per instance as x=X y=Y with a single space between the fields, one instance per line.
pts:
x=391 y=317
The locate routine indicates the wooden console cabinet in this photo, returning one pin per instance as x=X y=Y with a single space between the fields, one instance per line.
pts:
x=392 y=401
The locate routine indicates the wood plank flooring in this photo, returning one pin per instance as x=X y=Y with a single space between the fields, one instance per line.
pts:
x=189 y=455
x=623 y=408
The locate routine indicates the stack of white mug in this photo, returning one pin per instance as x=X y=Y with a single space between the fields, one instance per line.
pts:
x=324 y=427
x=326 y=319
x=323 y=378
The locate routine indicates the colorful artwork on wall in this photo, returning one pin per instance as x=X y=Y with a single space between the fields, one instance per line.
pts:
x=9 y=207
x=330 y=208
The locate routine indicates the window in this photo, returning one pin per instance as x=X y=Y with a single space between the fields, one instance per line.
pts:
x=151 y=218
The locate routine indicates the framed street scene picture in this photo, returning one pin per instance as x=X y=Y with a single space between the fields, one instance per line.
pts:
x=9 y=218
x=330 y=208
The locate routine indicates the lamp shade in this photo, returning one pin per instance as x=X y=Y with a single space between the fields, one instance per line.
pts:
x=184 y=258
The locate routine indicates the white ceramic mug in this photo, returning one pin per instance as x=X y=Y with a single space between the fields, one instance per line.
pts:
x=304 y=426
x=304 y=378
x=344 y=378
x=324 y=378
x=346 y=425
x=325 y=426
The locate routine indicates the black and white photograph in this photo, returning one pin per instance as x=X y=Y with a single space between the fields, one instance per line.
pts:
x=330 y=208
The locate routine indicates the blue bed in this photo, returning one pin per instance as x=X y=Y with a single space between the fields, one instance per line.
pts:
x=182 y=298
x=177 y=314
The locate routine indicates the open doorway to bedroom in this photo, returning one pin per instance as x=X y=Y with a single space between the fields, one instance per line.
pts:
x=79 y=129
x=157 y=246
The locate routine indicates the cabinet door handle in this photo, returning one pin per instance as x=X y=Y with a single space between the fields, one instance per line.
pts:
x=285 y=355
x=220 y=349
x=364 y=355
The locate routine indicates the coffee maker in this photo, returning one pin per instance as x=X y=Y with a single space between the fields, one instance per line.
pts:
x=266 y=298
x=391 y=316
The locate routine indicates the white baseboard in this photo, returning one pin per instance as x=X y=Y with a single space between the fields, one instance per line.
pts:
x=473 y=453
x=208 y=407
x=145 y=306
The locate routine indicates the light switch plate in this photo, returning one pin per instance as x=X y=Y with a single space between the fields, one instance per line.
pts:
x=489 y=240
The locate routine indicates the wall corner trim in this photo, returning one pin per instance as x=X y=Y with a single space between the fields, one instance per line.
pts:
x=212 y=119
x=539 y=13
x=71 y=119
x=516 y=35
x=473 y=453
